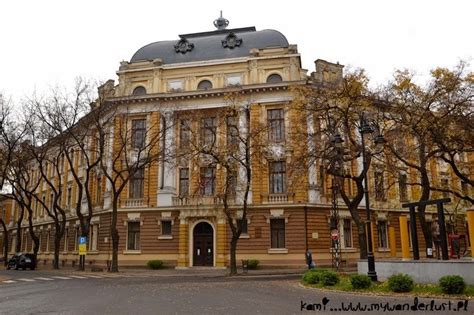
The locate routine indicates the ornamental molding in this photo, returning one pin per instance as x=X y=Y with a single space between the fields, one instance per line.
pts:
x=231 y=41
x=183 y=46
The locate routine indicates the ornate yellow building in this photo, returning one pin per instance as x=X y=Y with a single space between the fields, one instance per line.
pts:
x=168 y=210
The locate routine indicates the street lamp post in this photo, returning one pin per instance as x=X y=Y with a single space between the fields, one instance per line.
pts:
x=364 y=129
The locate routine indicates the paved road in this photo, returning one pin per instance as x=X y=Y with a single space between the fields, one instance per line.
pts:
x=195 y=294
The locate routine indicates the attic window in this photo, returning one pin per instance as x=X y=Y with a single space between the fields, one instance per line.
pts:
x=204 y=85
x=274 y=78
x=139 y=90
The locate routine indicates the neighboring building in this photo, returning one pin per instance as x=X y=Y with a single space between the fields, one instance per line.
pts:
x=168 y=210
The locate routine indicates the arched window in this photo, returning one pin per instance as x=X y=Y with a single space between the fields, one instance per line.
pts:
x=139 y=90
x=274 y=78
x=205 y=85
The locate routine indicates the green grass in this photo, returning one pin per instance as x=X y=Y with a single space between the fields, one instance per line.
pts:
x=382 y=288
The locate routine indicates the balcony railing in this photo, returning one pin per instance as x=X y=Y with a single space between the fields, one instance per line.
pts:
x=279 y=198
x=200 y=200
x=134 y=203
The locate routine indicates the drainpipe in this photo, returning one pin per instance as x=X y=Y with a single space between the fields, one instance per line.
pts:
x=306 y=227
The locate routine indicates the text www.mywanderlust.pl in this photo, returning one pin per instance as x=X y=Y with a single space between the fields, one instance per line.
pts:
x=416 y=305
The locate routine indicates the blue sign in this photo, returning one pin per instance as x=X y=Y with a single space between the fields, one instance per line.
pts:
x=82 y=240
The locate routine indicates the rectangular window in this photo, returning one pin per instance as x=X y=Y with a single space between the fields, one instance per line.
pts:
x=208 y=131
x=184 y=133
x=277 y=227
x=403 y=187
x=93 y=230
x=445 y=185
x=98 y=191
x=207 y=183
x=138 y=133
x=276 y=124
x=183 y=182
x=165 y=227
x=244 y=223
x=379 y=186
x=133 y=238
x=277 y=177
x=66 y=236
x=69 y=197
x=232 y=130
x=137 y=184
x=231 y=184
x=382 y=232
x=347 y=230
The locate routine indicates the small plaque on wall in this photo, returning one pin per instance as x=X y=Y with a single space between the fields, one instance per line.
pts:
x=315 y=235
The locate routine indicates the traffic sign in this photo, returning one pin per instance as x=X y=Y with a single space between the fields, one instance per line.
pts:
x=82 y=245
x=335 y=235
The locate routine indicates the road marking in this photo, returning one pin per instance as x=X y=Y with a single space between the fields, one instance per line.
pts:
x=94 y=276
x=78 y=277
x=45 y=279
x=62 y=278
x=9 y=281
x=27 y=280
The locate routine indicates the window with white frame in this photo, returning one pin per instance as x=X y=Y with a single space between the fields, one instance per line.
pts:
x=133 y=235
x=277 y=230
x=207 y=180
x=276 y=124
x=69 y=197
x=277 y=174
x=137 y=183
x=138 y=133
x=347 y=233
x=65 y=243
x=244 y=223
x=166 y=227
x=208 y=130
x=382 y=233
x=183 y=182
x=93 y=231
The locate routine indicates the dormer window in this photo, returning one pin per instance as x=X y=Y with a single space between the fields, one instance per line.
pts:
x=139 y=90
x=233 y=79
x=204 y=85
x=175 y=85
x=274 y=78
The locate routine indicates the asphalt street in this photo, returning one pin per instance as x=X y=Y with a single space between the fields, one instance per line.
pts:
x=28 y=292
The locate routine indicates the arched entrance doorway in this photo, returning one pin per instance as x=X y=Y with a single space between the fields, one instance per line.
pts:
x=203 y=245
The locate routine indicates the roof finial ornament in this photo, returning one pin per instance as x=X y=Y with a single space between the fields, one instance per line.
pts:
x=221 y=23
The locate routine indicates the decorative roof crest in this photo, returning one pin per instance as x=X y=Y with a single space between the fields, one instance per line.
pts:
x=231 y=41
x=183 y=46
x=221 y=23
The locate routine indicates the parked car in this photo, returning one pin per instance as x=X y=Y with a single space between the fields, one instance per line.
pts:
x=23 y=261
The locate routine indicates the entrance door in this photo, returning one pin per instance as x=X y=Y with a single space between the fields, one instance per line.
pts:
x=203 y=247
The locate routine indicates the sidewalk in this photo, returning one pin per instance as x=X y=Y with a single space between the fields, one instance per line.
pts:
x=171 y=272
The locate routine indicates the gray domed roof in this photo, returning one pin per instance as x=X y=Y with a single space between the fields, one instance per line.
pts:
x=220 y=44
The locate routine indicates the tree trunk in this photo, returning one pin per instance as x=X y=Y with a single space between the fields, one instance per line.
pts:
x=57 y=242
x=115 y=237
x=5 y=242
x=18 y=237
x=233 y=255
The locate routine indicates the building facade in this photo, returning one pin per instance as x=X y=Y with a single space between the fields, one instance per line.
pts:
x=169 y=210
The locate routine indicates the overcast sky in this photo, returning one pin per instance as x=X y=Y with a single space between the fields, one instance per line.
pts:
x=50 y=42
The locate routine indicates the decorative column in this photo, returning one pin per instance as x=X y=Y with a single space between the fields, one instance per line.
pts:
x=470 y=225
x=220 y=242
x=314 y=193
x=183 y=258
x=242 y=175
x=108 y=185
x=167 y=173
x=404 y=237
x=393 y=241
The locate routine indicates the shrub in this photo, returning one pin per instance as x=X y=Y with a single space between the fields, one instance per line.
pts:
x=329 y=278
x=311 y=276
x=452 y=284
x=154 y=264
x=361 y=281
x=400 y=283
x=253 y=264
